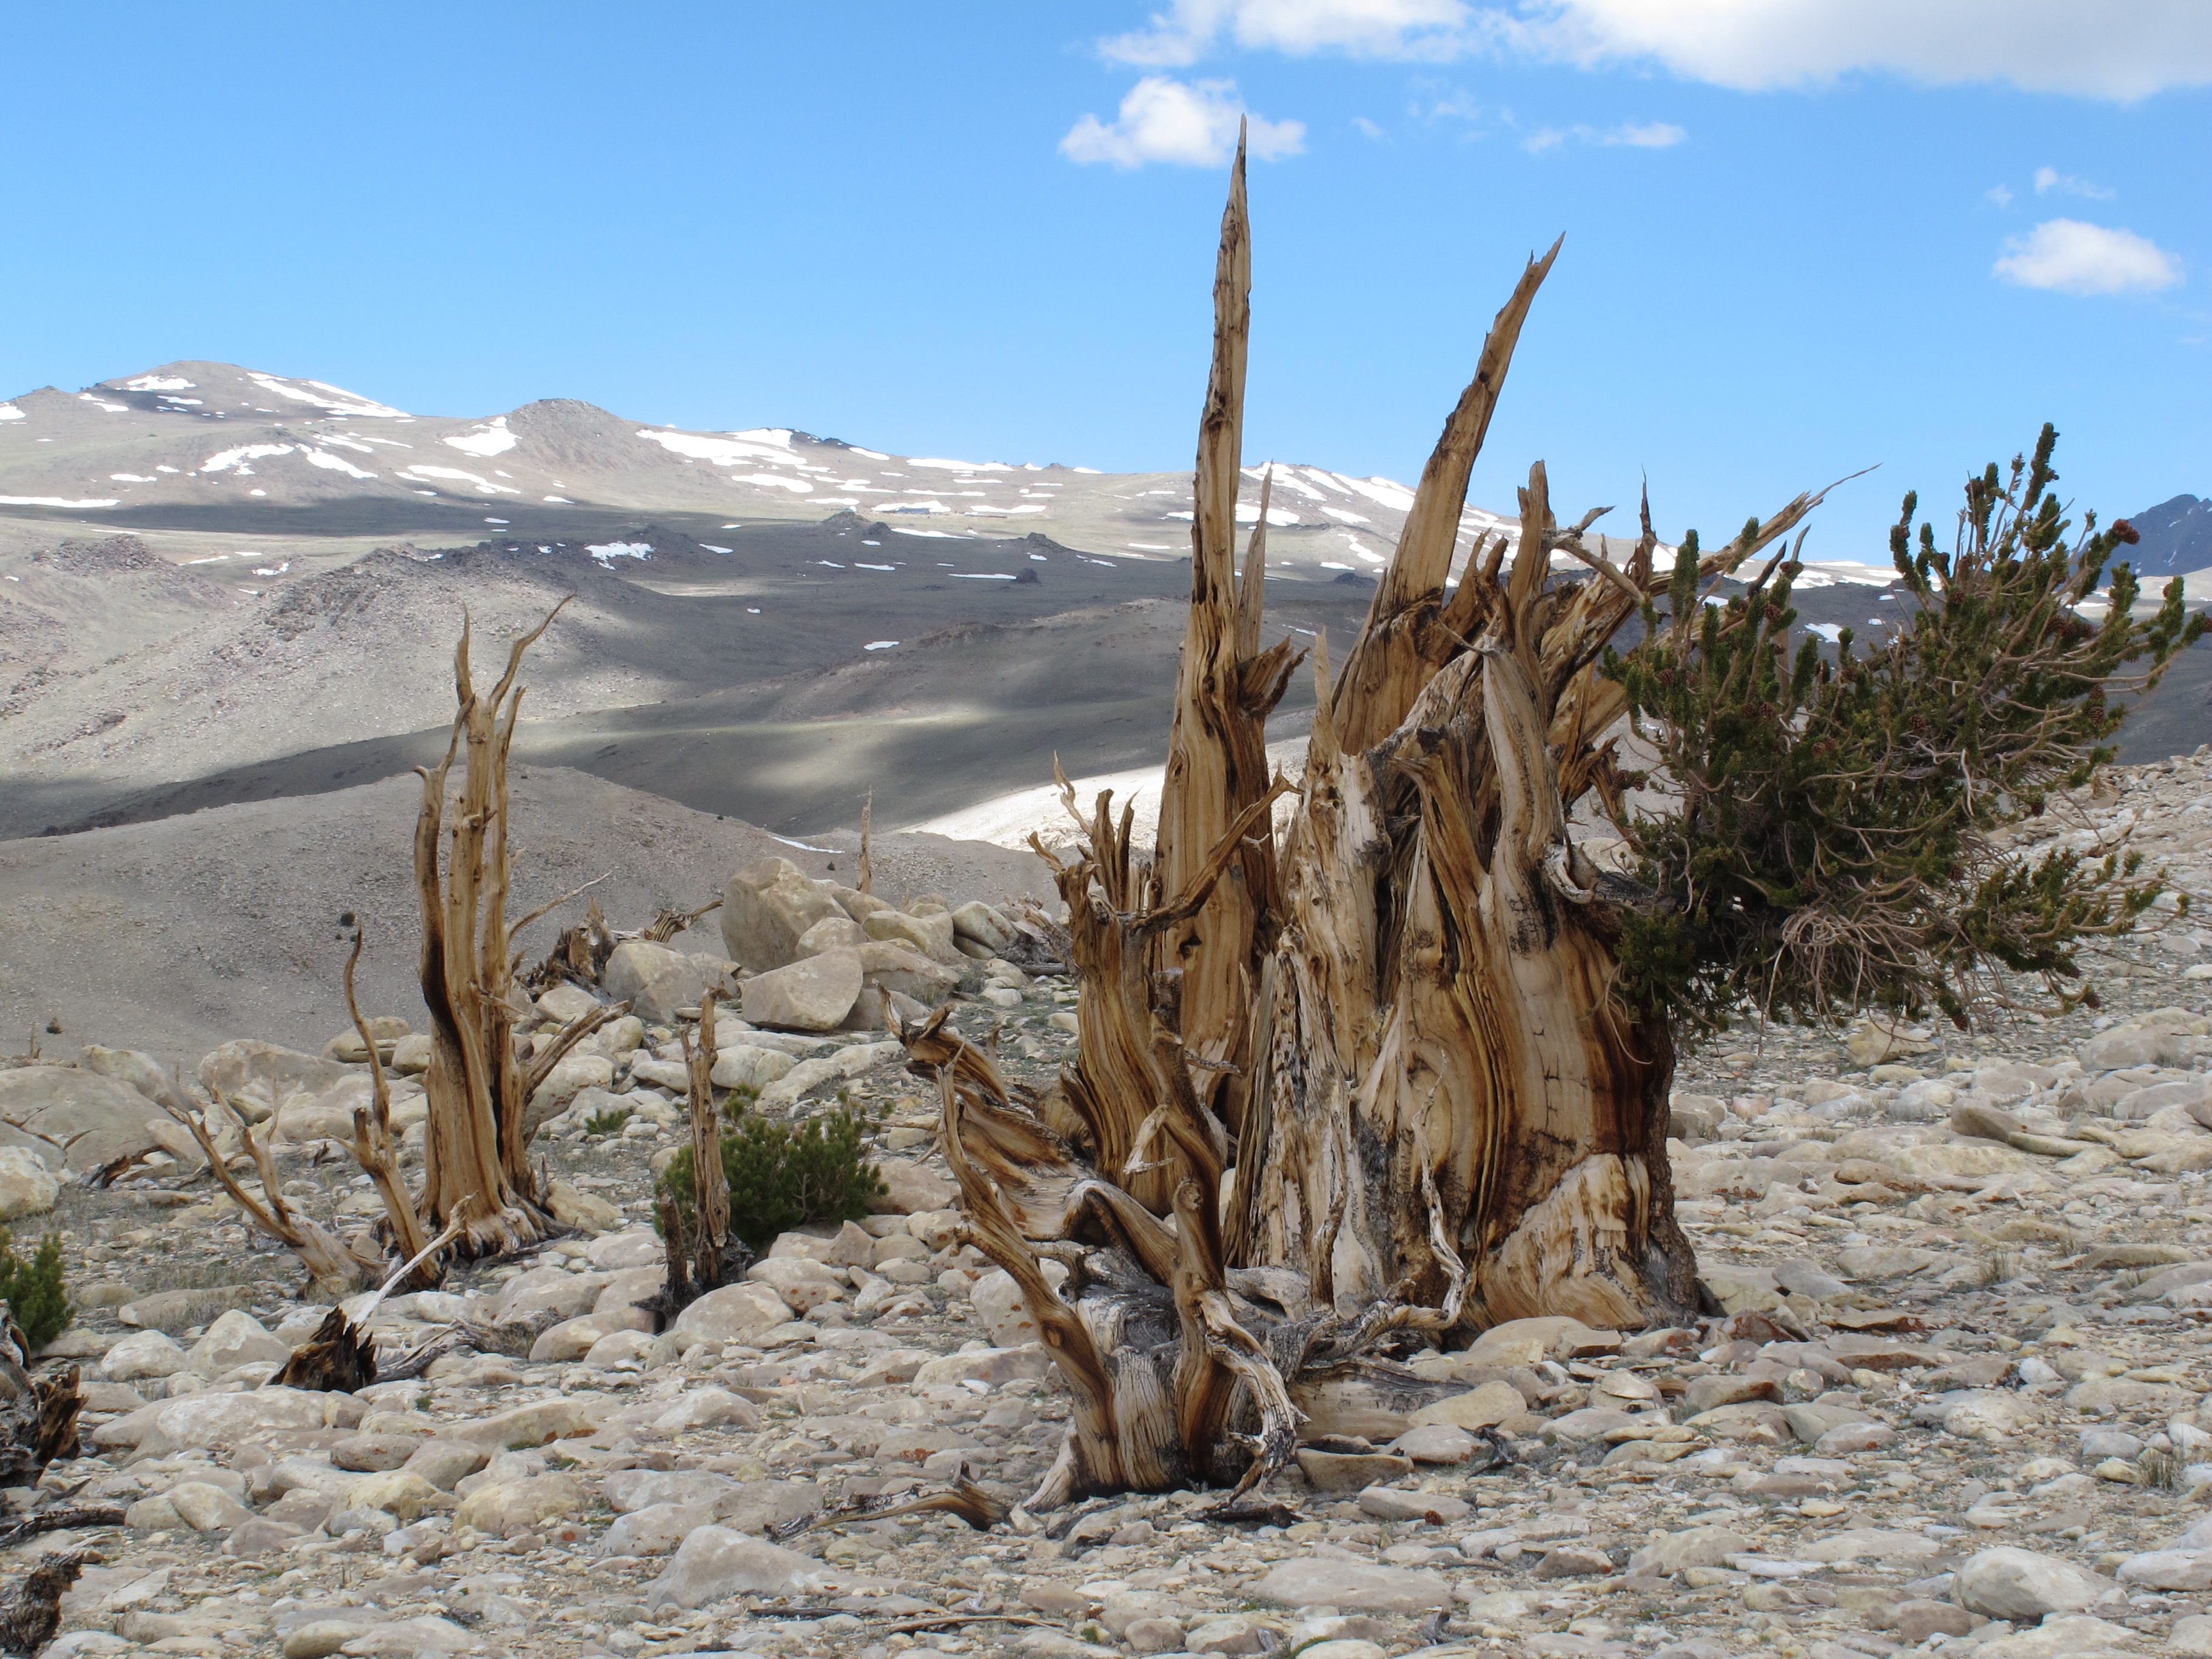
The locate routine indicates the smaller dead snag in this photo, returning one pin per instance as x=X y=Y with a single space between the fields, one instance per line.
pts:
x=338 y=1359
x=341 y=1356
x=702 y=1255
x=38 y=1416
x=32 y=1612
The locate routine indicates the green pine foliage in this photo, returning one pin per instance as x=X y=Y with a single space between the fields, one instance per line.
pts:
x=609 y=1122
x=33 y=1290
x=1836 y=838
x=782 y=1176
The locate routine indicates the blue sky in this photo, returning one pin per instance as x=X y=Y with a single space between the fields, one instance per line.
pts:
x=940 y=228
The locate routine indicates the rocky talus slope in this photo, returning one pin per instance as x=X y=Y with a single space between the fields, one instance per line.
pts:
x=1954 y=1400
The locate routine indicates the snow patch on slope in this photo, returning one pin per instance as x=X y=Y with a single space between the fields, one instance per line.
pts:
x=485 y=441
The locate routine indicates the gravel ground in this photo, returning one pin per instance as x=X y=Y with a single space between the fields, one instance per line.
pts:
x=1958 y=1402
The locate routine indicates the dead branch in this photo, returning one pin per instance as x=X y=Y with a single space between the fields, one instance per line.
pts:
x=964 y=1499
x=331 y=1265
x=669 y=922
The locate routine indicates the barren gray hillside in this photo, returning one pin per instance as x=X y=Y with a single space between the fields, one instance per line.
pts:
x=174 y=936
x=763 y=625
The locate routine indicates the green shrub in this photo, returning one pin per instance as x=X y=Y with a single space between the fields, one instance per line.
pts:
x=608 y=1122
x=33 y=1290
x=781 y=1177
x=1835 y=837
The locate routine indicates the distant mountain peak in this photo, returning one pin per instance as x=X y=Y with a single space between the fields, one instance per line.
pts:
x=2175 y=536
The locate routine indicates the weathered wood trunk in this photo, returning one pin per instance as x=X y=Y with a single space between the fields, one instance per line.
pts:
x=477 y=1160
x=1367 y=1075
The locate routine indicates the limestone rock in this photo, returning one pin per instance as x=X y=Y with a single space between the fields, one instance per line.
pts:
x=1351 y=1586
x=715 y=1562
x=2169 y=1569
x=1387 y=1502
x=1328 y=1471
x=217 y=1422
x=735 y=1313
x=656 y=981
x=1871 y=1042
x=911 y=1189
x=66 y=1116
x=573 y=1207
x=831 y=933
x=1479 y=1408
x=207 y=1508
x=654 y=1530
x=813 y=994
x=767 y=908
x=1695 y=1546
x=511 y=1506
x=235 y=1338
x=741 y=1065
x=565 y=1004
x=985 y=925
x=179 y=1311
x=891 y=965
x=27 y=1185
x=142 y=1354
x=141 y=1071
x=930 y=935
x=2022 y=1585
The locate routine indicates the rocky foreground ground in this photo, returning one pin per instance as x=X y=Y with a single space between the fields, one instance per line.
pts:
x=1957 y=1402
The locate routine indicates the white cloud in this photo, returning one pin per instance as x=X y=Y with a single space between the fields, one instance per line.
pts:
x=2116 y=49
x=1646 y=135
x=1365 y=128
x=1998 y=195
x=2120 y=49
x=2070 y=257
x=2050 y=179
x=1187 y=124
x=1188 y=29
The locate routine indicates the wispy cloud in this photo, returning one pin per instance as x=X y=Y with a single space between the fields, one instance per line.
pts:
x=1365 y=128
x=1183 y=124
x=2070 y=257
x=2050 y=179
x=2121 y=49
x=1189 y=29
x=1998 y=195
x=1646 y=135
